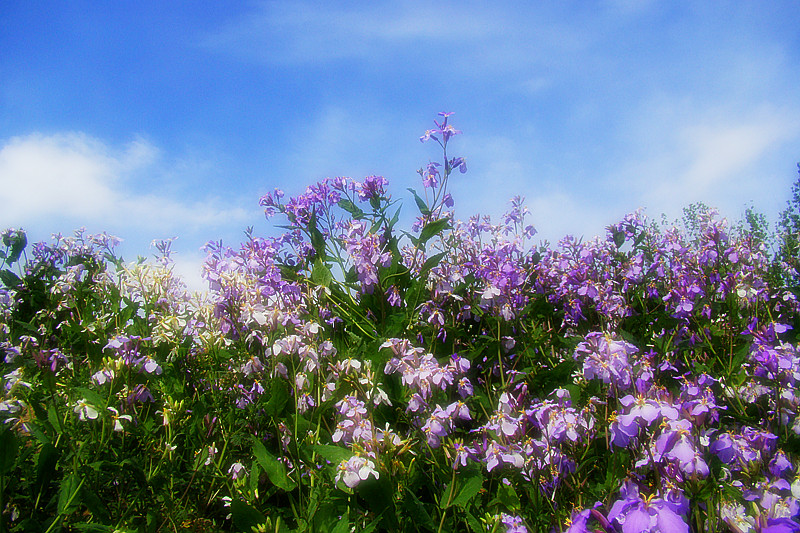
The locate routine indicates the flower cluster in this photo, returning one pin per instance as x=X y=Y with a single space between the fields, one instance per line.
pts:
x=349 y=375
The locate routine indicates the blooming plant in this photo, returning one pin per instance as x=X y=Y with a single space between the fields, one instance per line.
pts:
x=352 y=375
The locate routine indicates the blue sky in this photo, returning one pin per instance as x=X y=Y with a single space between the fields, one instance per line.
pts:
x=153 y=120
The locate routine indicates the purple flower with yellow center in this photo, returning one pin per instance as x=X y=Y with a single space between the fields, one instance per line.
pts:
x=579 y=522
x=739 y=451
x=436 y=427
x=497 y=455
x=623 y=430
x=675 y=443
x=430 y=175
x=513 y=523
x=460 y=454
x=635 y=514
x=642 y=409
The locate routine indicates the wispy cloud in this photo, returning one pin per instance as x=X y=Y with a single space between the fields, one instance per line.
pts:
x=468 y=37
x=290 y=32
x=725 y=160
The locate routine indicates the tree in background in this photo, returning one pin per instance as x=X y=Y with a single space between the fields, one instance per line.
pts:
x=789 y=235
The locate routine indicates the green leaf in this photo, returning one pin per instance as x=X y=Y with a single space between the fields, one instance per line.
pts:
x=379 y=495
x=417 y=512
x=343 y=525
x=469 y=490
x=275 y=470
x=474 y=523
x=68 y=499
x=414 y=240
x=45 y=467
x=334 y=454
x=431 y=262
x=244 y=516
x=423 y=207
x=432 y=229
x=278 y=396
x=52 y=417
x=17 y=243
x=92 y=397
x=9 y=279
x=507 y=496
x=253 y=478
x=317 y=239
x=95 y=505
x=8 y=450
x=321 y=274
x=619 y=238
x=289 y=273
x=351 y=276
x=376 y=226
x=351 y=208
x=394 y=219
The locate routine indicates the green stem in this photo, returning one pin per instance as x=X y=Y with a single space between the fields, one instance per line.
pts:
x=449 y=500
x=57 y=519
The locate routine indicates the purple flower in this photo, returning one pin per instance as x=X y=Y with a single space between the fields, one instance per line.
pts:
x=461 y=454
x=641 y=408
x=606 y=358
x=443 y=130
x=459 y=163
x=497 y=455
x=430 y=175
x=373 y=187
x=514 y=524
x=651 y=514
x=579 y=522
x=436 y=427
x=741 y=450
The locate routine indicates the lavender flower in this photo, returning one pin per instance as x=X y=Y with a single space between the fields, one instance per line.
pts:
x=355 y=470
x=635 y=514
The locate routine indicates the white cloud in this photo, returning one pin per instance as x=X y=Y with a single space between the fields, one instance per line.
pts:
x=66 y=174
x=189 y=267
x=55 y=183
x=723 y=159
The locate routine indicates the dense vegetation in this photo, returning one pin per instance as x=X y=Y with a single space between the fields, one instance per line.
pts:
x=455 y=376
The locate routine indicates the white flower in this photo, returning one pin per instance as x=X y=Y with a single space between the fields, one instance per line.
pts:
x=355 y=470
x=116 y=417
x=103 y=376
x=212 y=451
x=85 y=411
x=237 y=471
x=151 y=367
x=13 y=379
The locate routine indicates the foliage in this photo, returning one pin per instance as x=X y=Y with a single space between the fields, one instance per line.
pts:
x=350 y=375
x=789 y=231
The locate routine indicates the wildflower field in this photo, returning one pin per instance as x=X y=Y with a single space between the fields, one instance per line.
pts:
x=352 y=375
